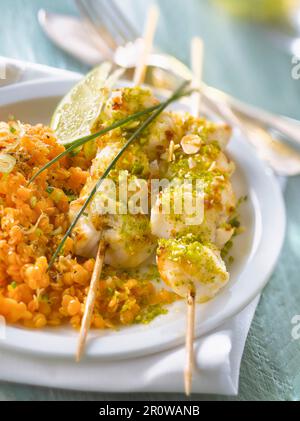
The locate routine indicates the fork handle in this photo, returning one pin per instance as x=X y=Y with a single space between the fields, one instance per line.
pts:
x=289 y=128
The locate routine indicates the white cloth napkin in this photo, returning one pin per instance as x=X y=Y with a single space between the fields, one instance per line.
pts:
x=218 y=358
x=218 y=354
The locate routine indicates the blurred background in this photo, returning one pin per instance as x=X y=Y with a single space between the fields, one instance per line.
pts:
x=249 y=44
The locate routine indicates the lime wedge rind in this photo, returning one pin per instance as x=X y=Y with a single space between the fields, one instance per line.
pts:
x=77 y=112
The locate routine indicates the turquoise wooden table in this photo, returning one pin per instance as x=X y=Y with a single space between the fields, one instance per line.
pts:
x=242 y=62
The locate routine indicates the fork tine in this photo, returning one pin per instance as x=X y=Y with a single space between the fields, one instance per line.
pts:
x=99 y=20
x=102 y=35
x=102 y=10
x=116 y=23
x=130 y=31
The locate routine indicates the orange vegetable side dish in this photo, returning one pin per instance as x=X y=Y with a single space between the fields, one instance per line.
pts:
x=33 y=220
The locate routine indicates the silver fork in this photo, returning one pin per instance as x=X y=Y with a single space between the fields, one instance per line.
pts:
x=107 y=20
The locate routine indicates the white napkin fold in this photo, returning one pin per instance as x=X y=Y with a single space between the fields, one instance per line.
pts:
x=218 y=358
x=218 y=354
x=14 y=71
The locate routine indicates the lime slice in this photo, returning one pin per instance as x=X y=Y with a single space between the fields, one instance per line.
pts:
x=78 y=110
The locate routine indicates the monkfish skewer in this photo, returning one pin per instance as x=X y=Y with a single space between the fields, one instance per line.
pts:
x=152 y=20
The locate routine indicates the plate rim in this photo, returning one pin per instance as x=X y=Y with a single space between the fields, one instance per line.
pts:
x=24 y=92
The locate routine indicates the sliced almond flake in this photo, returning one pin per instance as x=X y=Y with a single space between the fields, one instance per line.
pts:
x=171 y=156
x=212 y=167
x=191 y=144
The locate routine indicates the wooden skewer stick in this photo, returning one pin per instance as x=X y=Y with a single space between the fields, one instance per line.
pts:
x=150 y=29
x=190 y=335
x=90 y=301
x=197 y=66
x=197 y=55
x=140 y=72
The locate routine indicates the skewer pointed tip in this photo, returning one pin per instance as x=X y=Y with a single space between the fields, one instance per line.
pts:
x=187 y=386
x=188 y=373
x=78 y=354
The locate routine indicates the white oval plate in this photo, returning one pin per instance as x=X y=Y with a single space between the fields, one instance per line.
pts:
x=255 y=252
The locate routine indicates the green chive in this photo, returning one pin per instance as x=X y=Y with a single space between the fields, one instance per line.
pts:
x=74 y=152
x=50 y=189
x=178 y=94
x=72 y=197
x=79 y=142
x=33 y=201
x=38 y=232
x=44 y=297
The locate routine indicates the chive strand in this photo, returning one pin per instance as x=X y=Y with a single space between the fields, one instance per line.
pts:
x=81 y=141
